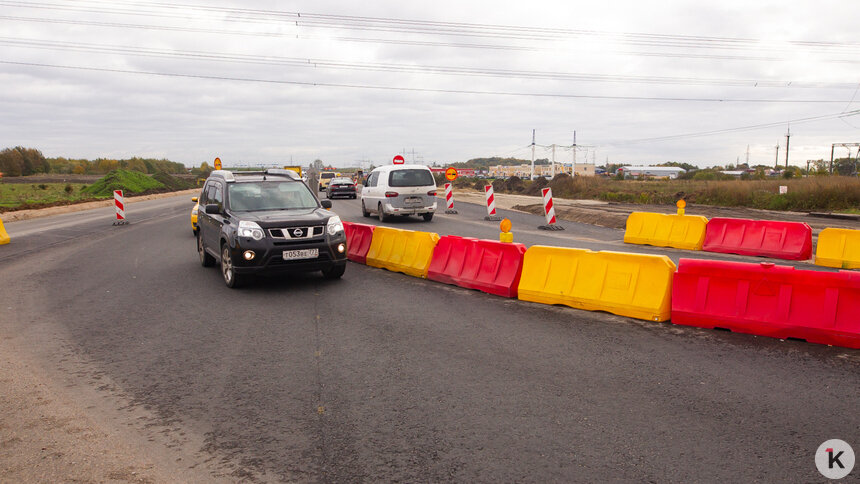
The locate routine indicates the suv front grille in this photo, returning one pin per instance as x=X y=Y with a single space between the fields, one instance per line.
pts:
x=297 y=233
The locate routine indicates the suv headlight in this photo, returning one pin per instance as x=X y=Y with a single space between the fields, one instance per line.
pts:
x=250 y=229
x=334 y=225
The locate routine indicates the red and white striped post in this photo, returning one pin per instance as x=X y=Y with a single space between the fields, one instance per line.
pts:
x=119 y=205
x=549 y=211
x=449 y=199
x=491 y=204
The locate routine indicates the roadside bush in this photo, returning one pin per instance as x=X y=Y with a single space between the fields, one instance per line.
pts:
x=68 y=189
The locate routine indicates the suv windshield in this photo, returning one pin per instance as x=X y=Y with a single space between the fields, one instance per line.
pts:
x=326 y=175
x=269 y=195
x=411 y=178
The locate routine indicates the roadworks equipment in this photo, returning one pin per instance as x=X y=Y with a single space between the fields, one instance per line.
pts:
x=4 y=236
x=403 y=251
x=838 y=248
x=634 y=285
x=666 y=230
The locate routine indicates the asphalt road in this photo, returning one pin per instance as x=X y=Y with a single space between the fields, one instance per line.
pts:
x=384 y=377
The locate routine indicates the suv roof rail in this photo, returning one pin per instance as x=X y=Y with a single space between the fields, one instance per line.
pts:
x=227 y=175
x=283 y=172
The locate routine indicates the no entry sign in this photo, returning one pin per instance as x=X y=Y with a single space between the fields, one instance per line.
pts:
x=398 y=160
x=451 y=174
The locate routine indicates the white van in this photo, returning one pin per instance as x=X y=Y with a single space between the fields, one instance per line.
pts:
x=399 y=190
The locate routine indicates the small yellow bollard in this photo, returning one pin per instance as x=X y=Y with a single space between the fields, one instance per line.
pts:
x=506 y=235
x=4 y=237
x=681 y=204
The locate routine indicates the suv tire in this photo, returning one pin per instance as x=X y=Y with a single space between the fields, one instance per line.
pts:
x=206 y=260
x=232 y=279
x=364 y=212
x=334 y=272
x=427 y=217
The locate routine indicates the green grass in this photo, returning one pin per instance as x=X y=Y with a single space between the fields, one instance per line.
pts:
x=130 y=182
x=13 y=195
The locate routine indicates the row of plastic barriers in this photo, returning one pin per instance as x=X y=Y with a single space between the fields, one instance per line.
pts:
x=765 y=238
x=763 y=299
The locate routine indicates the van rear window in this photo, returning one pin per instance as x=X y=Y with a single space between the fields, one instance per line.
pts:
x=411 y=178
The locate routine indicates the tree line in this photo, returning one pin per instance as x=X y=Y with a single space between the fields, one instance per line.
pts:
x=21 y=161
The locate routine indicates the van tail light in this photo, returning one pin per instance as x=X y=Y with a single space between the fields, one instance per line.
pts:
x=391 y=194
x=432 y=193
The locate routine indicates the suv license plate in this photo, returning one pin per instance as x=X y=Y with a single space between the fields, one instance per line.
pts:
x=413 y=201
x=301 y=254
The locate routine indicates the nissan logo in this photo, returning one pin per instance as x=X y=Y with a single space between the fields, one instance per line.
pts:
x=297 y=233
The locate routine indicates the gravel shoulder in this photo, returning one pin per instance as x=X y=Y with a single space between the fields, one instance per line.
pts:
x=19 y=215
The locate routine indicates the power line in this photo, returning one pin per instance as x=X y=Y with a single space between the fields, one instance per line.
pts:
x=423 y=27
x=410 y=68
x=418 y=89
x=736 y=129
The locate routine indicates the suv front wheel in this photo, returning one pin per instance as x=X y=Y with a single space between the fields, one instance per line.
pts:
x=227 y=270
x=334 y=272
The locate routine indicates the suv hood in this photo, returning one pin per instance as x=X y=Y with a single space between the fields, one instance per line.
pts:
x=281 y=218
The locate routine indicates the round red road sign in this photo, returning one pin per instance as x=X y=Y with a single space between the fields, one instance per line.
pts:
x=451 y=174
x=399 y=160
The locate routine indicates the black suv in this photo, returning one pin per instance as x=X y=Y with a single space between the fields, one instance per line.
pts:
x=267 y=221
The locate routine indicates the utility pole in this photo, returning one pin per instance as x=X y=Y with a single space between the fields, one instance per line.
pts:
x=776 y=160
x=787 y=139
x=748 y=156
x=552 y=169
x=533 y=155
x=573 y=146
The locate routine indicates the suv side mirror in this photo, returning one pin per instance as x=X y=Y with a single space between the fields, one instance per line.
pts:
x=326 y=204
x=213 y=209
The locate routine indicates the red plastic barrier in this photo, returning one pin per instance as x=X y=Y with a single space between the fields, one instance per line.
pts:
x=486 y=265
x=768 y=300
x=768 y=238
x=358 y=238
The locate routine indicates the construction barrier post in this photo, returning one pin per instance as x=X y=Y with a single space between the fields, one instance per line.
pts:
x=768 y=238
x=119 y=204
x=4 y=236
x=838 y=248
x=449 y=198
x=768 y=300
x=666 y=230
x=634 y=285
x=549 y=211
x=405 y=251
x=491 y=204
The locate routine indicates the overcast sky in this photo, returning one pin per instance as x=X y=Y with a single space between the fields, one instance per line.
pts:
x=344 y=81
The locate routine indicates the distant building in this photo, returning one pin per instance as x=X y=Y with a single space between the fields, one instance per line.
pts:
x=671 y=172
x=525 y=170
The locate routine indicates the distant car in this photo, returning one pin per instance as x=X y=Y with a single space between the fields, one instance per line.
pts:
x=341 y=187
x=325 y=177
x=267 y=222
x=399 y=190
x=194 y=215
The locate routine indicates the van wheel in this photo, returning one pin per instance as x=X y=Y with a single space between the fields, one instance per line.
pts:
x=364 y=212
x=381 y=213
x=427 y=217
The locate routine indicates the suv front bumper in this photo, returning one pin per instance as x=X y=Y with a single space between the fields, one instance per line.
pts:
x=268 y=255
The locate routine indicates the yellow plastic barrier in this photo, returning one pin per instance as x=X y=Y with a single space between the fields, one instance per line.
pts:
x=838 y=248
x=4 y=237
x=664 y=230
x=403 y=251
x=634 y=285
